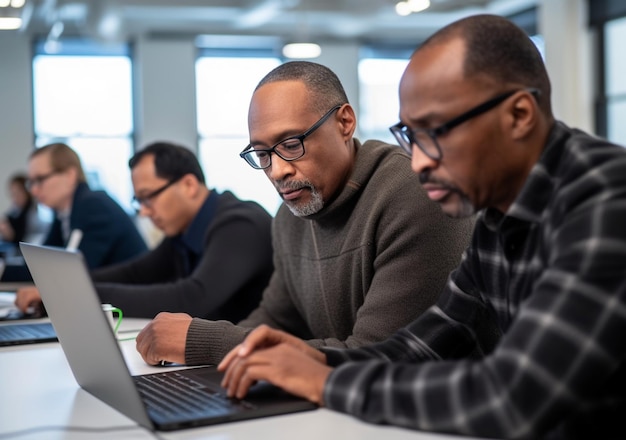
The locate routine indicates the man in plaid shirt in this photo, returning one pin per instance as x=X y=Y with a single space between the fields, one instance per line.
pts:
x=528 y=339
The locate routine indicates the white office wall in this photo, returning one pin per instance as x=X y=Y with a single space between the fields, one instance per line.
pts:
x=343 y=59
x=165 y=91
x=16 y=120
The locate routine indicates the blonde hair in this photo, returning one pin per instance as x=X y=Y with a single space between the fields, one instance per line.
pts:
x=62 y=158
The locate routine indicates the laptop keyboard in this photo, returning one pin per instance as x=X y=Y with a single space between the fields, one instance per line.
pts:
x=171 y=395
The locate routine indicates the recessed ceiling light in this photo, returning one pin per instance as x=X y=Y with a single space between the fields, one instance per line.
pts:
x=10 y=23
x=302 y=50
x=418 y=5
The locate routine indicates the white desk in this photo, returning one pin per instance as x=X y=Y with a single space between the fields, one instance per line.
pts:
x=38 y=390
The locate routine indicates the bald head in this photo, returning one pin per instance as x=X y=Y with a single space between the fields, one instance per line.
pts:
x=475 y=100
x=322 y=83
x=499 y=51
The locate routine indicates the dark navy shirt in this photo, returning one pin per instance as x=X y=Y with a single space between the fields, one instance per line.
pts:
x=190 y=243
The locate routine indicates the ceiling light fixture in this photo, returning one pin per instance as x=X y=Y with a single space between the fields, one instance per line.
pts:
x=10 y=23
x=11 y=14
x=402 y=9
x=302 y=50
x=408 y=7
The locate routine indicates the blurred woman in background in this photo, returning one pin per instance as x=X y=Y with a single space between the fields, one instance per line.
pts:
x=22 y=222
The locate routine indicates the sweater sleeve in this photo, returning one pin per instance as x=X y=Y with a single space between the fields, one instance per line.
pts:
x=209 y=341
x=151 y=267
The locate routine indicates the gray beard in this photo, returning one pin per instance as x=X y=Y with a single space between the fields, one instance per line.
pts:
x=312 y=207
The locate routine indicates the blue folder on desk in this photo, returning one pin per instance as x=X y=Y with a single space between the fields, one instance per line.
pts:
x=170 y=400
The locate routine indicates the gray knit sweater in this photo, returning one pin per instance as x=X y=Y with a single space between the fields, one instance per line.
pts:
x=367 y=264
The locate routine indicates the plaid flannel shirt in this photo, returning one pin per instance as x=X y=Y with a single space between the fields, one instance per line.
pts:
x=528 y=338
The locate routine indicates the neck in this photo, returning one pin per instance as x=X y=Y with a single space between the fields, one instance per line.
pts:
x=203 y=194
x=66 y=203
x=516 y=176
x=64 y=206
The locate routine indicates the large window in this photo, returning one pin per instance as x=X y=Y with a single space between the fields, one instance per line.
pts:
x=83 y=97
x=608 y=19
x=224 y=88
x=615 y=80
x=379 y=79
x=380 y=68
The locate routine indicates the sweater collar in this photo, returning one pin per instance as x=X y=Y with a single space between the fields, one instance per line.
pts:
x=366 y=161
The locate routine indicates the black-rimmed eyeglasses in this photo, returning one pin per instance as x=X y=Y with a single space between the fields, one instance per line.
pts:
x=39 y=180
x=426 y=139
x=288 y=149
x=146 y=200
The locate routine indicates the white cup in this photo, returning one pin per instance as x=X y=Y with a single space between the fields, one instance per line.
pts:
x=108 y=310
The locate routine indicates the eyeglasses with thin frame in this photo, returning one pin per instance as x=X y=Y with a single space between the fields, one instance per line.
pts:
x=138 y=201
x=288 y=149
x=426 y=139
x=39 y=180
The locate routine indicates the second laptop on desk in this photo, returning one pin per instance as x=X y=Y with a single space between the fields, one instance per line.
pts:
x=17 y=331
x=26 y=333
x=165 y=401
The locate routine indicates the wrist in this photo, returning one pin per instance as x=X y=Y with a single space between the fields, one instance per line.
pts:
x=320 y=385
x=320 y=357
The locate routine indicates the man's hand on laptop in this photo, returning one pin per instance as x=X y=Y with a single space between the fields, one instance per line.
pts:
x=264 y=337
x=28 y=300
x=164 y=338
x=276 y=357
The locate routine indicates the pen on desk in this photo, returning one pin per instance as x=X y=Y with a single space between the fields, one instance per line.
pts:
x=75 y=238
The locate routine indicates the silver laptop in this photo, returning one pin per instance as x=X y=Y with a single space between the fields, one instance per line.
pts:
x=165 y=401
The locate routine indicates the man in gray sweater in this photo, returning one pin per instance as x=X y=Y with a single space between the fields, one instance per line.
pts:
x=355 y=257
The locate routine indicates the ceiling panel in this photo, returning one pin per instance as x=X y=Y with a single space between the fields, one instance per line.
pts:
x=319 y=20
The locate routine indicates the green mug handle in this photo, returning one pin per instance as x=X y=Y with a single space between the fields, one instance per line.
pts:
x=108 y=308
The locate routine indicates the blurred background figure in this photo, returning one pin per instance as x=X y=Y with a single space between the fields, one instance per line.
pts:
x=56 y=179
x=22 y=222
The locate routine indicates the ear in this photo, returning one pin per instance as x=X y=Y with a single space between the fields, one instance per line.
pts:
x=524 y=115
x=347 y=119
x=72 y=174
x=190 y=185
